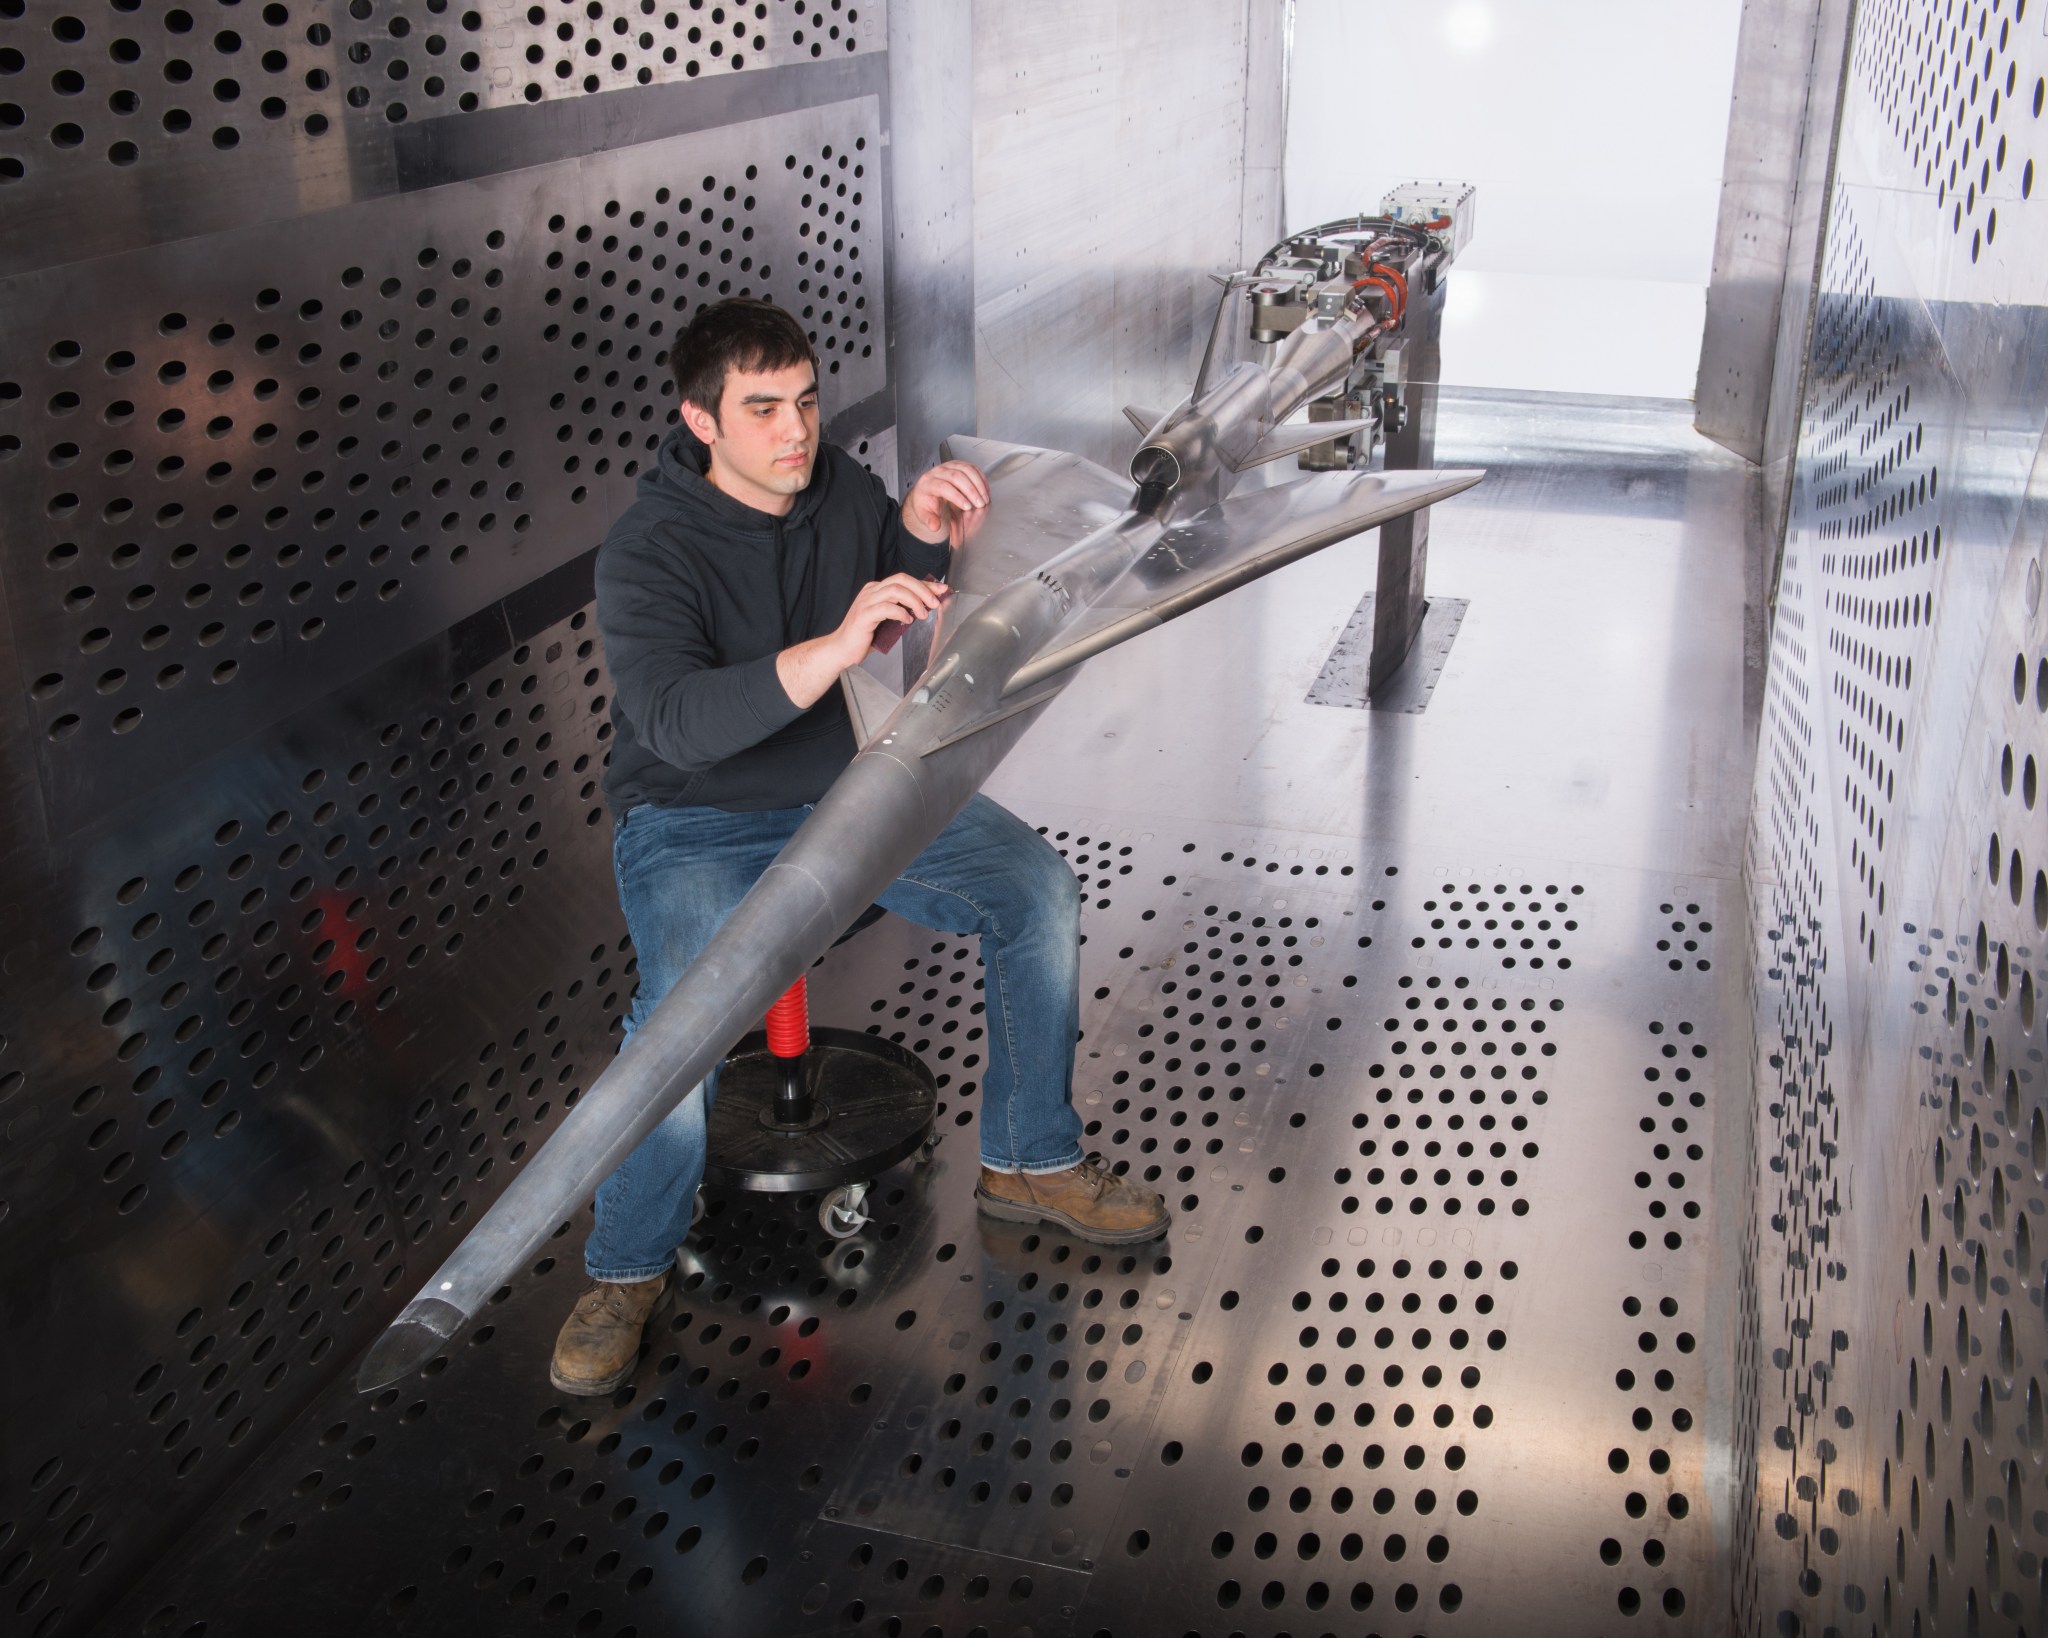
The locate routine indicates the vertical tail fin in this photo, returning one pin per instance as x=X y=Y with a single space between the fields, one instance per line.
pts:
x=1232 y=321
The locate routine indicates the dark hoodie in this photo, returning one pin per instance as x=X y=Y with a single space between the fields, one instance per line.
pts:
x=698 y=592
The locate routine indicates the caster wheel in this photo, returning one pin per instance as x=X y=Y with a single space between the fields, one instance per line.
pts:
x=697 y=1209
x=927 y=1149
x=843 y=1212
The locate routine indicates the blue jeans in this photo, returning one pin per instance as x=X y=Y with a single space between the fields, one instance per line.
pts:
x=680 y=873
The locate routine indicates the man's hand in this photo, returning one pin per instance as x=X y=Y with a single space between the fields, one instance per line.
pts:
x=807 y=670
x=901 y=597
x=940 y=500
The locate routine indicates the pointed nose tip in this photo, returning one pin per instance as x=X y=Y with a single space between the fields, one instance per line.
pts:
x=408 y=1343
x=400 y=1351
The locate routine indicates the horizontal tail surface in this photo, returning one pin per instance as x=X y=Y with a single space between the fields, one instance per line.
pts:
x=1293 y=439
x=869 y=701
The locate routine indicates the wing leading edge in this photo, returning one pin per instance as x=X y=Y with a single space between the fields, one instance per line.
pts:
x=1237 y=541
x=1041 y=502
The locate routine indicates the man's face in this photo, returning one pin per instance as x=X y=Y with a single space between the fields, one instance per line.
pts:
x=765 y=440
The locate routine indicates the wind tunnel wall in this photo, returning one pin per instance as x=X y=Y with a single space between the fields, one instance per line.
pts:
x=311 y=937
x=1894 y=1373
x=333 y=338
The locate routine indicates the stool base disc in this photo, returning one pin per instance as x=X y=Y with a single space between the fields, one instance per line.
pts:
x=877 y=1098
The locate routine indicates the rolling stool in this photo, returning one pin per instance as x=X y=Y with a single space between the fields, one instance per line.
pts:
x=801 y=1108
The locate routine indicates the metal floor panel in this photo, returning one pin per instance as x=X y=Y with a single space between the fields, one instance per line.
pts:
x=1433 y=1030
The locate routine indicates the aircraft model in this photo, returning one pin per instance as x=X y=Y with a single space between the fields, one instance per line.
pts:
x=1068 y=559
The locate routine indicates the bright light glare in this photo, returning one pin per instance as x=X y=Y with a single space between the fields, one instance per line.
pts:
x=1468 y=26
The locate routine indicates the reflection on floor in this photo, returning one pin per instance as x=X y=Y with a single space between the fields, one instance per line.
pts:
x=1430 y=1028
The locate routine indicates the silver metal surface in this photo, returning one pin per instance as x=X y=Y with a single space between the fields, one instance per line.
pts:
x=178 y=121
x=1269 y=44
x=316 y=444
x=931 y=268
x=1342 y=681
x=1756 y=353
x=264 y=1046
x=1086 y=303
x=1806 y=243
x=946 y=1424
x=309 y=923
x=1783 y=121
x=218 y=1175
x=1400 y=591
x=1896 y=1346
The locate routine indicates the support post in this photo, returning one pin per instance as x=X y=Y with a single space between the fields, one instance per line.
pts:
x=1398 y=602
x=789 y=1043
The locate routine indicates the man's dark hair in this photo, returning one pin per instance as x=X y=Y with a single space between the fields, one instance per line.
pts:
x=739 y=333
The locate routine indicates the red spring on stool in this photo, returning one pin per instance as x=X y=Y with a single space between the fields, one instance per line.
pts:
x=789 y=1022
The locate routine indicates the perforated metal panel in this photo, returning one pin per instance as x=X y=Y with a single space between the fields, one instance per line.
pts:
x=311 y=935
x=1319 y=1403
x=274 y=108
x=314 y=406
x=216 y=1211
x=408 y=408
x=1438 y=1341
x=1897 y=1362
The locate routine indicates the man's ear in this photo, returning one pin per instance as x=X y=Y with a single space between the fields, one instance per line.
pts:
x=702 y=423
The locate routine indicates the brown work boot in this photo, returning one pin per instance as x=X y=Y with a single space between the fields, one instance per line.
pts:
x=599 y=1342
x=1087 y=1201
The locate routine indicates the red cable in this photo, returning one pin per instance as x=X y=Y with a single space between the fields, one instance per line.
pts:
x=789 y=1023
x=1377 y=279
x=1400 y=281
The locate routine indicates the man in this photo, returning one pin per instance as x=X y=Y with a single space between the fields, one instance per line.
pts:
x=755 y=566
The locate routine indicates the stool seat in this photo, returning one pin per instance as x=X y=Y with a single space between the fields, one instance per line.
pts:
x=801 y=1108
x=873 y=1100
